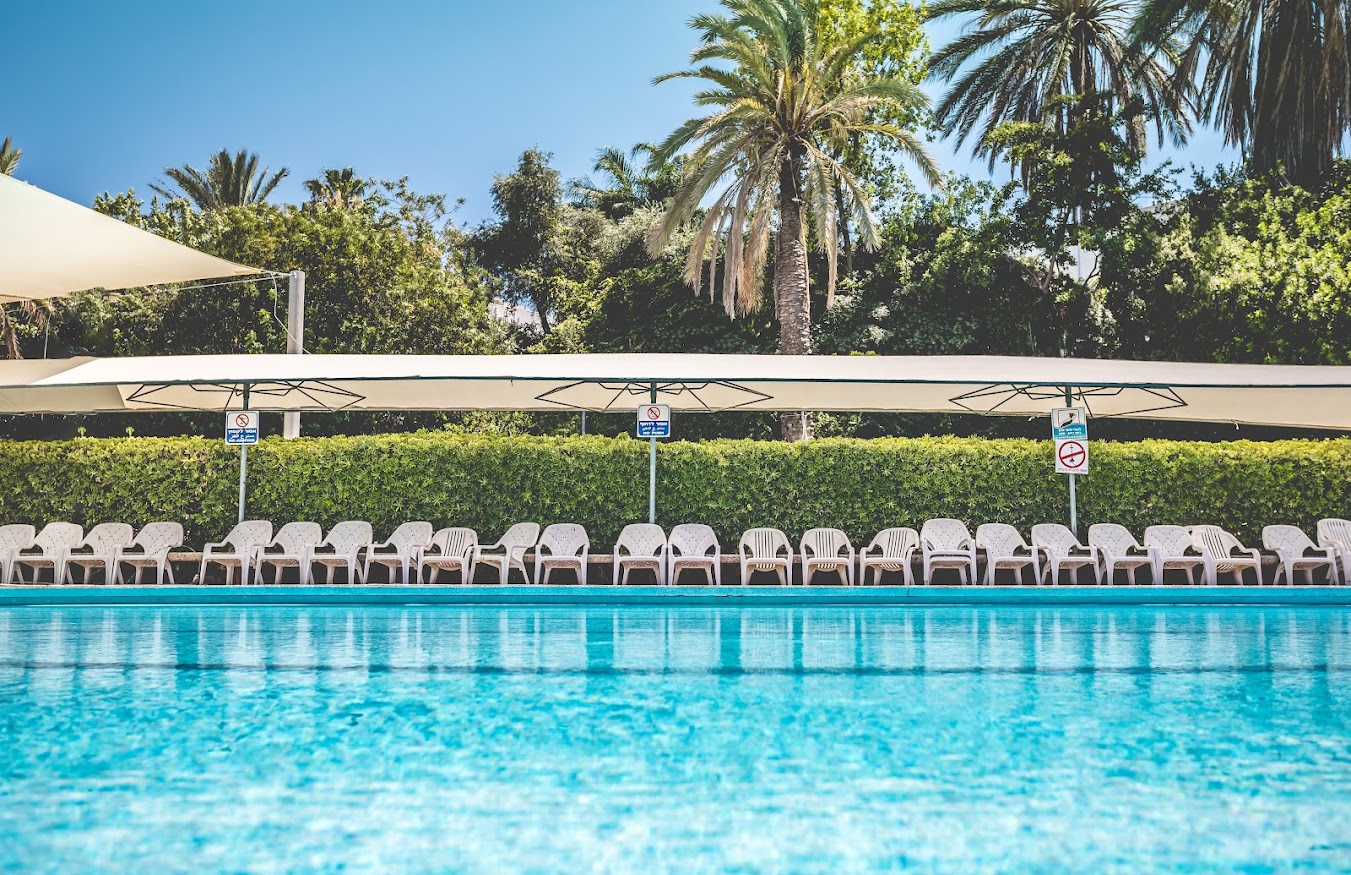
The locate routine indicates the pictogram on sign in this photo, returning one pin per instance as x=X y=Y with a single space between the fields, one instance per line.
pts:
x=1071 y=457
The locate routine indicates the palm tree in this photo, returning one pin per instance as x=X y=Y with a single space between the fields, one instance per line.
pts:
x=781 y=104
x=228 y=181
x=1023 y=57
x=9 y=157
x=338 y=189
x=1275 y=75
x=634 y=181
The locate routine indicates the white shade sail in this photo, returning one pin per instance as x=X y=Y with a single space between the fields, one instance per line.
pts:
x=51 y=247
x=1283 y=395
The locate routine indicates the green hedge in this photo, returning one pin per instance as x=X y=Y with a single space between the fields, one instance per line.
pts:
x=489 y=482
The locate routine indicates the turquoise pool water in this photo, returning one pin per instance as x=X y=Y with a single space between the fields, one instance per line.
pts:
x=642 y=739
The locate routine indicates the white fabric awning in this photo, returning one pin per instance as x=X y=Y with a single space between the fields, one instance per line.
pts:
x=51 y=247
x=1283 y=395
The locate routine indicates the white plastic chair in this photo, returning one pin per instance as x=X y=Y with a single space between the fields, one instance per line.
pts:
x=103 y=542
x=946 y=543
x=508 y=552
x=896 y=550
x=151 y=549
x=1335 y=532
x=1174 y=548
x=450 y=549
x=760 y=550
x=1005 y=547
x=694 y=545
x=340 y=549
x=826 y=550
x=53 y=542
x=563 y=545
x=399 y=551
x=640 y=545
x=1296 y=552
x=1219 y=547
x=292 y=543
x=13 y=538
x=243 y=542
x=1064 y=552
x=1120 y=550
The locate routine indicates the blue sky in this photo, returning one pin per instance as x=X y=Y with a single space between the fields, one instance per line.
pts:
x=103 y=96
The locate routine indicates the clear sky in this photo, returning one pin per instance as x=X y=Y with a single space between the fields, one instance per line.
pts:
x=102 y=96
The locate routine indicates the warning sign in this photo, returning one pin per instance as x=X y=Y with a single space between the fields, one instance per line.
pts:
x=1071 y=457
x=1069 y=423
x=241 y=428
x=654 y=421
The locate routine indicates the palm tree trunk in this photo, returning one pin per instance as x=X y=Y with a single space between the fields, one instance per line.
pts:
x=792 y=302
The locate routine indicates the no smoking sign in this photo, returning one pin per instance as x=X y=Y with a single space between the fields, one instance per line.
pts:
x=1071 y=457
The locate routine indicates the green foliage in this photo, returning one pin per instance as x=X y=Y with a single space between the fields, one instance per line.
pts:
x=228 y=181
x=490 y=482
x=9 y=157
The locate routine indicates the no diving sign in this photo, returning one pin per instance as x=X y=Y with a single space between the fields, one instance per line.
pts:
x=241 y=428
x=1071 y=457
x=654 y=421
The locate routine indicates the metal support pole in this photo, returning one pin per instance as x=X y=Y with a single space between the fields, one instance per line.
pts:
x=243 y=468
x=295 y=339
x=583 y=422
x=652 y=470
x=1074 y=510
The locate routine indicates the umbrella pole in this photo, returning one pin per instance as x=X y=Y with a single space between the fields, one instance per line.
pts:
x=1074 y=510
x=652 y=469
x=243 y=463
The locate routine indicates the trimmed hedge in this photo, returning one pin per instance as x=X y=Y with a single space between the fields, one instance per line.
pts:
x=487 y=483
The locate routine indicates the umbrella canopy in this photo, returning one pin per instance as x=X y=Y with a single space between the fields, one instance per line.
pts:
x=51 y=247
x=1285 y=395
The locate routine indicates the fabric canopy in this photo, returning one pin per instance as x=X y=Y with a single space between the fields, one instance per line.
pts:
x=51 y=247
x=1285 y=395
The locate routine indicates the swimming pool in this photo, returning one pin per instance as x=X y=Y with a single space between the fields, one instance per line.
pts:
x=683 y=739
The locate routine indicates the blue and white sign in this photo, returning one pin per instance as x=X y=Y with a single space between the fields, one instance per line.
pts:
x=241 y=428
x=1069 y=424
x=654 y=421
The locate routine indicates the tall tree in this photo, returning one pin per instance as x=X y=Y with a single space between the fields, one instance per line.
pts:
x=339 y=189
x=228 y=181
x=9 y=157
x=1022 y=57
x=634 y=182
x=1274 y=75
x=782 y=96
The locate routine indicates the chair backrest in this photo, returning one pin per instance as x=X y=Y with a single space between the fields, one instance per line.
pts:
x=945 y=534
x=694 y=539
x=349 y=535
x=1335 y=531
x=409 y=536
x=521 y=535
x=765 y=543
x=1292 y=539
x=824 y=542
x=293 y=538
x=894 y=543
x=1054 y=536
x=454 y=541
x=249 y=534
x=1115 y=539
x=15 y=537
x=1171 y=540
x=55 y=537
x=641 y=539
x=157 y=536
x=999 y=539
x=104 y=537
x=1215 y=539
x=564 y=539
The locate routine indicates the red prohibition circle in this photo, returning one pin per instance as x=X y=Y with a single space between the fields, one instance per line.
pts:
x=241 y=420
x=1071 y=454
x=653 y=413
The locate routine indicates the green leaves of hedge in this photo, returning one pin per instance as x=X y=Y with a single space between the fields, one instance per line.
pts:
x=489 y=483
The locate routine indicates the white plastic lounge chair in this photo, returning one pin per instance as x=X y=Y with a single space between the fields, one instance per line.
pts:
x=640 y=545
x=98 y=550
x=1120 y=550
x=946 y=543
x=150 y=549
x=13 y=538
x=52 y=542
x=1226 y=554
x=895 y=550
x=399 y=551
x=508 y=552
x=563 y=545
x=1064 y=552
x=826 y=550
x=243 y=542
x=1005 y=547
x=766 y=550
x=450 y=549
x=292 y=547
x=1296 y=552
x=1335 y=532
x=1174 y=548
x=341 y=549
x=694 y=545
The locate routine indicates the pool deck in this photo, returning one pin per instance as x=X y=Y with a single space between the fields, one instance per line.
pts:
x=673 y=596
